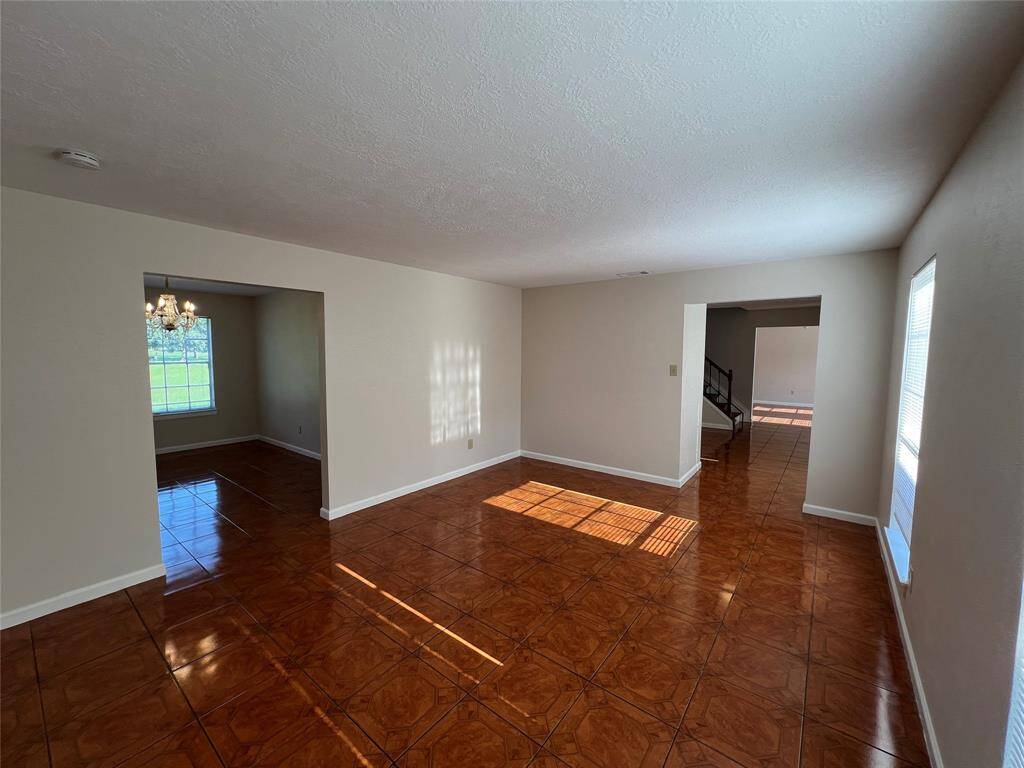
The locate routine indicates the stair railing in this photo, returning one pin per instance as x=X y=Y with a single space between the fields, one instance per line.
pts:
x=713 y=374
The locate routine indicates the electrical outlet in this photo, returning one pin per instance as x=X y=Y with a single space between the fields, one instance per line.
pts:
x=470 y=443
x=673 y=370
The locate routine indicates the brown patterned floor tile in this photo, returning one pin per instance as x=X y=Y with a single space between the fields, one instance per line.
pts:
x=471 y=735
x=874 y=661
x=400 y=519
x=413 y=621
x=21 y=722
x=75 y=692
x=360 y=536
x=581 y=557
x=693 y=598
x=272 y=600
x=715 y=572
x=213 y=679
x=610 y=606
x=759 y=668
x=574 y=640
x=630 y=575
x=824 y=747
x=466 y=587
x=554 y=583
x=874 y=623
x=391 y=550
x=300 y=631
x=188 y=748
x=869 y=591
x=207 y=632
x=514 y=612
x=531 y=692
x=425 y=567
x=503 y=563
x=675 y=633
x=332 y=740
x=18 y=670
x=122 y=728
x=874 y=715
x=465 y=547
x=602 y=731
x=72 y=620
x=344 y=664
x=789 y=633
x=431 y=532
x=780 y=568
x=776 y=596
x=164 y=611
x=467 y=651
x=690 y=753
x=251 y=726
x=56 y=653
x=747 y=728
x=398 y=707
x=29 y=754
x=657 y=683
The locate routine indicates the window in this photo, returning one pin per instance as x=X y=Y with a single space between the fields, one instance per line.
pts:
x=1013 y=755
x=181 y=368
x=915 y=366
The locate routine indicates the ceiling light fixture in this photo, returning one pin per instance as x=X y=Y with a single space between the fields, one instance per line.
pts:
x=166 y=314
x=78 y=158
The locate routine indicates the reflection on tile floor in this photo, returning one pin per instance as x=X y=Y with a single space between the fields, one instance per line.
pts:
x=527 y=614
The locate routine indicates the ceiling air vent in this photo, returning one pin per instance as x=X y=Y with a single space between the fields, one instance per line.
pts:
x=638 y=273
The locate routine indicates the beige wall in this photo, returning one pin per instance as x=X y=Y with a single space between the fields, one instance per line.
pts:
x=595 y=367
x=288 y=330
x=79 y=481
x=234 y=373
x=784 y=363
x=730 y=340
x=967 y=552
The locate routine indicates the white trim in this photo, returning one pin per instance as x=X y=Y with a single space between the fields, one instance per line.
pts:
x=171 y=415
x=931 y=739
x=689 y=473
x=632 y=474
x=709 y=425
x=780 y=402
x=289 y=447
x=206 y=444
x=354 y=506
x=77 y=596
x=840 y=514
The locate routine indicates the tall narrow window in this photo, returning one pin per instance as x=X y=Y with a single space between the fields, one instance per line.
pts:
x=1013 y=756
x=181 y=368
x=915 y=367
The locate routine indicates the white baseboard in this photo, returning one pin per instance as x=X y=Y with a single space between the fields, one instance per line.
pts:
x=346 y=509
x=688 y=474
x=290 y=447
x=840 y=514
x=206 y=444
x=782 y=403
x=675 y=482
x=77 y=596
x=710 y=425
x=895 y=588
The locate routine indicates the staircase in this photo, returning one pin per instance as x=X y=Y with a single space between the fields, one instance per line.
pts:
x=718 y=390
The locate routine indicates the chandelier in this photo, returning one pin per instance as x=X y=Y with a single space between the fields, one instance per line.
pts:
x=166 y=314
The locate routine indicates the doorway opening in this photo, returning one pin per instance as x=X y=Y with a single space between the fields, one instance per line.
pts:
x=237 y=394
x=762 y=356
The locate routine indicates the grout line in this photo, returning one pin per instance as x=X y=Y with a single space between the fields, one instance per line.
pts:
x=39 y=692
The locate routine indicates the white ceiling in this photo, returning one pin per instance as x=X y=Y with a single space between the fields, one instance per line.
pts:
x=526 y=144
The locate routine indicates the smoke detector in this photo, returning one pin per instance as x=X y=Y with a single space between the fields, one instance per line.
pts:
x=638 y=273
x=78 y=158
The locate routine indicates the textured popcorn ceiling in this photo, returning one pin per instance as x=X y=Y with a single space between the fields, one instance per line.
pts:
x=523 y=144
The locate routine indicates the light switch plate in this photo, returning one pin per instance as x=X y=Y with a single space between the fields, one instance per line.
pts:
x=673 y=370
x=470 y=442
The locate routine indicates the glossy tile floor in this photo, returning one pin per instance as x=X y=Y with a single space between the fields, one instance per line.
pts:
x=793 y=415
x=528 y=614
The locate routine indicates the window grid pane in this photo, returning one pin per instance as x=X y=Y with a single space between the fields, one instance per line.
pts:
x=181 y=368
x=911 y=413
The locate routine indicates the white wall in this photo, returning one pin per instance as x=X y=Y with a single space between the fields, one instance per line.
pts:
x=967 y=549
x=78 y=476
x=288 y=328
x=784 y=363
x=234 y=373
x=692 y=371
x=595 y=367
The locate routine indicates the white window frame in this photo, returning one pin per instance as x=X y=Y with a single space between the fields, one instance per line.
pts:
x=191 y=412
x=911 y=409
